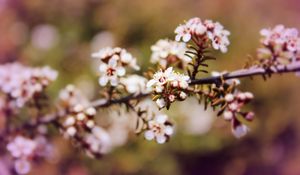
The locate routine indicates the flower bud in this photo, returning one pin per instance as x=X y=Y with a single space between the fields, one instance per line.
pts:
x=229 y=97
x=228 y=115
x=71 y=131
x=182 y=95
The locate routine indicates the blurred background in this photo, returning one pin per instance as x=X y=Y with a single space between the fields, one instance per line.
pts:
x=63 y=33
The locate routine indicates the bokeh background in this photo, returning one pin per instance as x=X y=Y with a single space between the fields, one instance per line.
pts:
x=63 y=33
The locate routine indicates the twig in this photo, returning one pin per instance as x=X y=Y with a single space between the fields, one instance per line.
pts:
x=252 y=71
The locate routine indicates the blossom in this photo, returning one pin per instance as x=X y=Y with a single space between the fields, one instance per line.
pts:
x=235 y=102
x=21 y=147
x=135 y=84
x=78 y=118
x=99 y=142
x=22 y=166
x=70 y=96
x=166 y=52
x=204 y=31
x=169 y=86
x=280 y=45
x=20 y=83
x=240 y=130
x=159 y=129
x=160 y=78
x=110 y=72
x=113 y=64
x=24 y=149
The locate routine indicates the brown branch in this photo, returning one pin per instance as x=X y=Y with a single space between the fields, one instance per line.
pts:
x=101 y=103
x=106 y=102
x=252 y=71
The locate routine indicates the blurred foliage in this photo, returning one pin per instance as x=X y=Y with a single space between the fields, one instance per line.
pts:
x=272 y=146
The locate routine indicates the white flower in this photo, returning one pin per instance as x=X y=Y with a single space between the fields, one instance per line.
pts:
x=71 y=131
x=135 y=84
x=228 y=115
x=240 y=130
x=99 y=141
x=159 y=129
x=219 y=36
x=72 y=98
x=121 y=55
x=161 y=102
x=182 y=95
x=21 y=147
x=103 y=53
x=165 y=52
x=113 y=64
x=182 y=32
x=160 y=85
x=204 y=31
x=127 y=58
x=111 y=72
x=69 y=121
x=181 y=81
x=229 y=97
x=161 y=77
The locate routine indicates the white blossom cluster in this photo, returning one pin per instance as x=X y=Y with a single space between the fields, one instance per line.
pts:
x=79 y=118
x=24 y=149
x=169 y=86
x=159 y=129
x=70 y=96
x=166 y=52
x=20 y=83
x=99 y=142
x=280 y=44
x=205 y=32
x=78 y=122
x=234 y=104
x=113 y=64
x=135 y=84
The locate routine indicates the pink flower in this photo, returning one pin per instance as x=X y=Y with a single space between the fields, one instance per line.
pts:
x=21 y=147
x=22 y=166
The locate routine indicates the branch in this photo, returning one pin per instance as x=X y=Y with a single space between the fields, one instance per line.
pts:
x=253 y=71
x=106 y=102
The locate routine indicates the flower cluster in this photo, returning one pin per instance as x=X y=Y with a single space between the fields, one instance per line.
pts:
x=69 y=97
x=113 y=62
x=166 y=52
x=168 y=86
x=78 y=123
x=135 y=84
x=25 y=149
x=204 y=32
x=234 y=104
x=79 y=118
x=280 y=46
x=21 y=83
x=159 y=129
x=99 y=142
